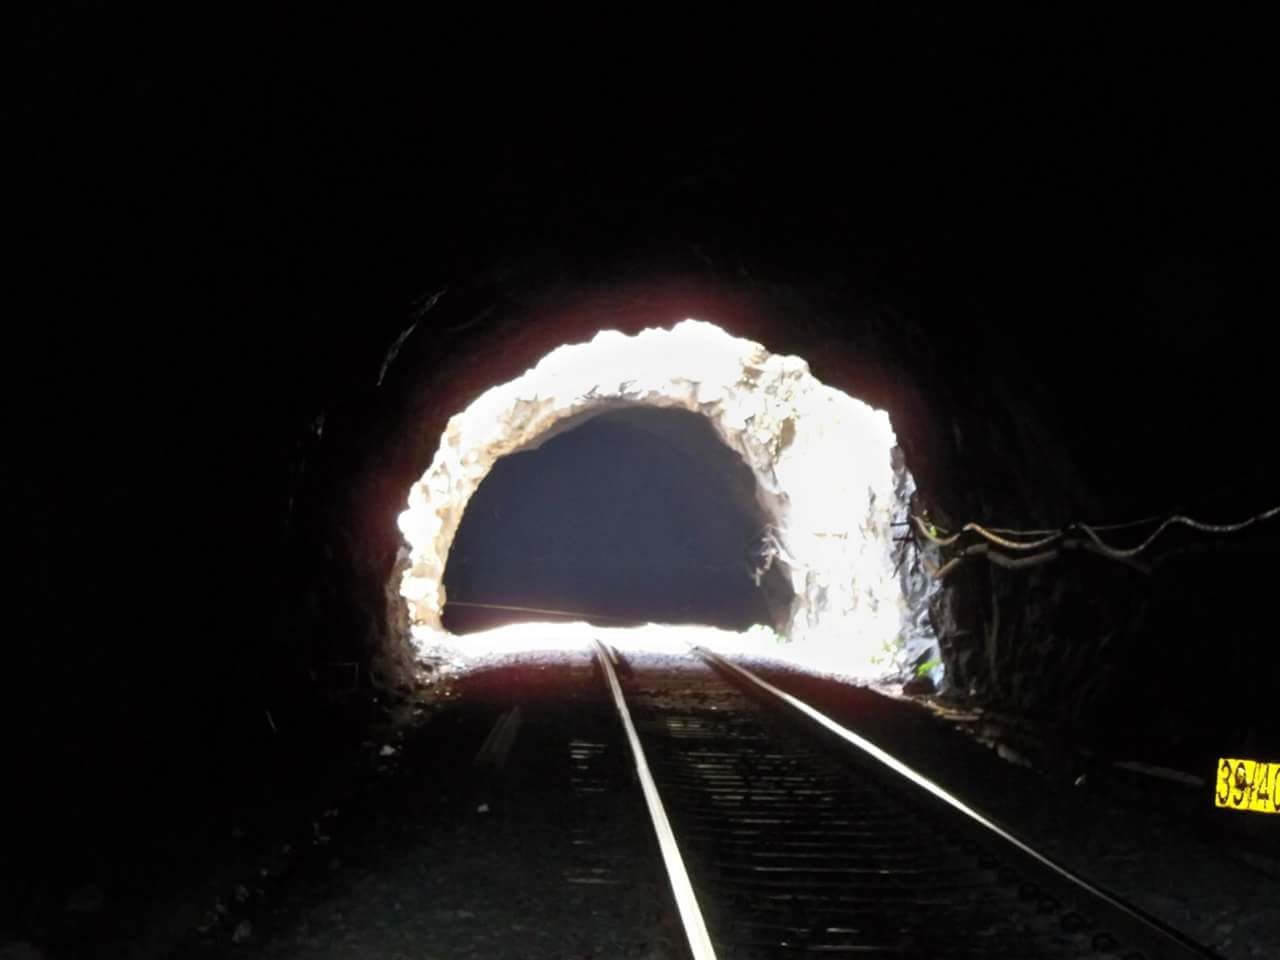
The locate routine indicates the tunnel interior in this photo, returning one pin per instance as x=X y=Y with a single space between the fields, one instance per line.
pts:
x=639 y=514
x=1048 y=268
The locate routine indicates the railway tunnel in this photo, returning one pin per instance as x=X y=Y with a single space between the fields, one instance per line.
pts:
x=592 y=484
x=317 y=579
x=269 y=520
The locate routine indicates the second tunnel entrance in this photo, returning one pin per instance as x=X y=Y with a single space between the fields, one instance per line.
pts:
x=637 y=514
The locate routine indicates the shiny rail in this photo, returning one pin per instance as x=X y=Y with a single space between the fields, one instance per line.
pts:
x=804 y=838
x=691 y=918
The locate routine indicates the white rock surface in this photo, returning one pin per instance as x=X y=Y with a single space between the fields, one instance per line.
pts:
x=822 y=460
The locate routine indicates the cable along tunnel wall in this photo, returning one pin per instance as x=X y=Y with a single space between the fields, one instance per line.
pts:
x=829 y=480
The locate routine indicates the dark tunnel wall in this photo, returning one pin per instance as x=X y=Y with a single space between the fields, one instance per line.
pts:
x=1051 y=262
x=637 y=515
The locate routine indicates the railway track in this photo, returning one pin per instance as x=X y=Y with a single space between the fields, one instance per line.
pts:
x=786 y=835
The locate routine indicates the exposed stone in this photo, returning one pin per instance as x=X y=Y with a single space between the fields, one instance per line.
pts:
x=919 y=686
x=829 y=480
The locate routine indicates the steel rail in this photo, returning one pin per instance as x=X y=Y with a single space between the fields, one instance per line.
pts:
x=682 y=889
x=1143 y=930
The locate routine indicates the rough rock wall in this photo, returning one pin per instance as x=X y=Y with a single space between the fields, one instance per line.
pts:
x=827 y=478
x=971 y=456
x=1069 y=641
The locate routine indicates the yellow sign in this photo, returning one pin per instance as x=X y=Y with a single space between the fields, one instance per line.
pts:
x=1248 y=785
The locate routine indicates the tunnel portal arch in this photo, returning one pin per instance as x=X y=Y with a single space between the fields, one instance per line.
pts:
x=829 y=479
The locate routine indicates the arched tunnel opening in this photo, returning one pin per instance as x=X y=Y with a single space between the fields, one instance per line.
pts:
x=636 y=515
x=693 y=477
x=1042 y=295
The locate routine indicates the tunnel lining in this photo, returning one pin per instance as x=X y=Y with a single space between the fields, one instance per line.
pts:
x=827 y=472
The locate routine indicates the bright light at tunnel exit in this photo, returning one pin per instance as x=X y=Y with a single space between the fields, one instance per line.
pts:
x=849 y=661
x=829 y=483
